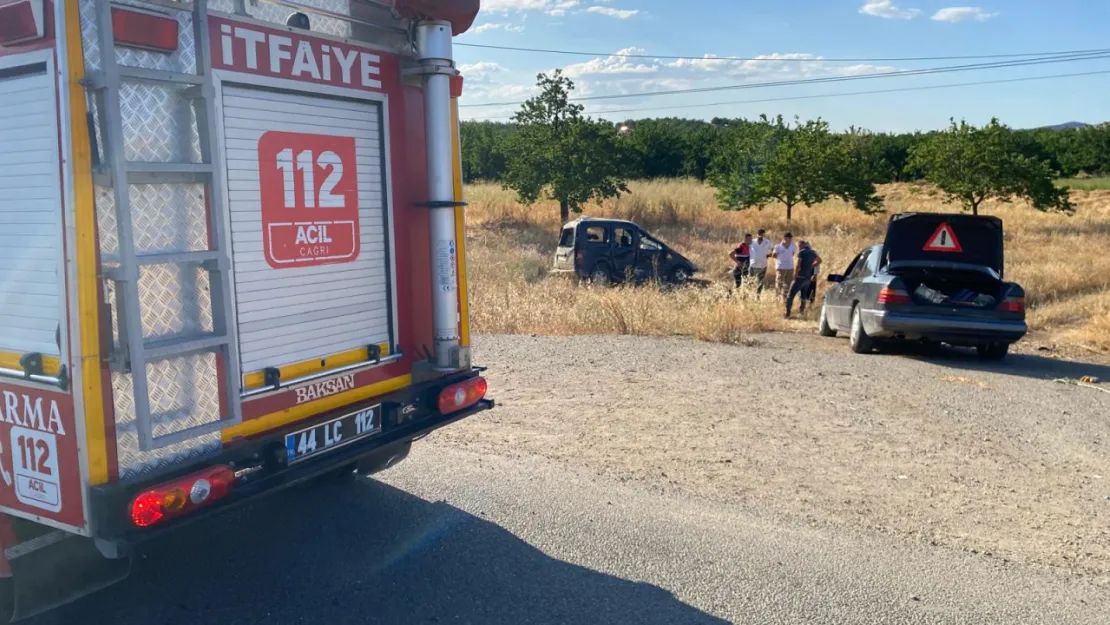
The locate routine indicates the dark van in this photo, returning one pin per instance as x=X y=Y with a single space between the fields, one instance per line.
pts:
x=611 y=250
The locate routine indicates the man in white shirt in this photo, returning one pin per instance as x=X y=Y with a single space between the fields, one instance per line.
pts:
x=759 y=250
x=784 y=264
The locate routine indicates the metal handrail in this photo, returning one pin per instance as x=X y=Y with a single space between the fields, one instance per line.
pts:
x=44 y=379
x=283 y=384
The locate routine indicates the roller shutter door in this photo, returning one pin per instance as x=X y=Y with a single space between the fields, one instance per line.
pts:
x=308 y=218
x=30 y=214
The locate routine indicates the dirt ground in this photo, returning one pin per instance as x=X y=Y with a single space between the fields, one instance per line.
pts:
x=1000 y=459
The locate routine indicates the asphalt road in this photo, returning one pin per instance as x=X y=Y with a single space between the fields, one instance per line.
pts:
x=453 y=536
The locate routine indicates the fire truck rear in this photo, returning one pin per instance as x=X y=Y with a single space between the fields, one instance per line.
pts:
x=231 y=260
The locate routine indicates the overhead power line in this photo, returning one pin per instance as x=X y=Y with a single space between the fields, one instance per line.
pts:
x=830 y=95
x=1101 y=54
x=631 y=55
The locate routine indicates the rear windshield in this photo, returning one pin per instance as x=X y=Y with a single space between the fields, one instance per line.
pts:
x=945 y=238
x=566 y=239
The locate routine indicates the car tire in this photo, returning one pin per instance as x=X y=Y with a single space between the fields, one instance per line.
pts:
x=823 y=327
x=993 y=351
x=858 y=339
x=679 y=275
x=600 y=276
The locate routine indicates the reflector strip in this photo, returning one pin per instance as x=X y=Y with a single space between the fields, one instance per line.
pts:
x=21 y=22
x=144 y=30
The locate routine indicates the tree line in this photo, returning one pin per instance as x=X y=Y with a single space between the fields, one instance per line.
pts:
x=551 y=149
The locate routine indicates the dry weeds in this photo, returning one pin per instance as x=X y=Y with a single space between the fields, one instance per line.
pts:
x=1063 y=263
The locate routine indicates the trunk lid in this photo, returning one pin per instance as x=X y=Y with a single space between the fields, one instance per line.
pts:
x=944 y=240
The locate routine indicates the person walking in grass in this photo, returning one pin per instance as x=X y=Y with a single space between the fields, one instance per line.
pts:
x=805 y=269
x=741 y=257
x=758 y=252
x=784 y=264
x=811 y=292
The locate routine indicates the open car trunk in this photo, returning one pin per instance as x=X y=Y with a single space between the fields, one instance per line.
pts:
x=952 y=287
x=954 y=261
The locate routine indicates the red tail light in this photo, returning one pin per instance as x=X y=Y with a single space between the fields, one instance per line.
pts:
x=579 y=256
x=462 y=395
x=181 y=496
x=21 y=22
x=1013 y=304
x=144 y=30
x=893 y=296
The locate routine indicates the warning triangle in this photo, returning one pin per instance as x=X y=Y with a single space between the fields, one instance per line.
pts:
x=943 y=240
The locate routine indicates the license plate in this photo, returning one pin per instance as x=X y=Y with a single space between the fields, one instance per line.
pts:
x=324 y=437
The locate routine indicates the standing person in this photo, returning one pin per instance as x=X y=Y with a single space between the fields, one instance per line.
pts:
x=784 y=264
x=804 y=272
x=811 y=293
x=741 y=256
x=759 y=250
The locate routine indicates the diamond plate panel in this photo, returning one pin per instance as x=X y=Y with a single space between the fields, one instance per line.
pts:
x=168 y=217
x=106 y=221
x=320 y=23
x=223 y=6
x=183 y=393
x=175 y=300
x=90 y=39
x=159 y=124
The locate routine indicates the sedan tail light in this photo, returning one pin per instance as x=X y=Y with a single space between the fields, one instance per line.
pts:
x=893 y=296
x=181 y=496
x=1013 y=304
x=462 y=395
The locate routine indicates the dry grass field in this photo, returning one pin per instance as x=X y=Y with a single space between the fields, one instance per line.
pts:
x=1063 y=262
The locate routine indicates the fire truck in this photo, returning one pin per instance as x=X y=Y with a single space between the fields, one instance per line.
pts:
x=231 y=260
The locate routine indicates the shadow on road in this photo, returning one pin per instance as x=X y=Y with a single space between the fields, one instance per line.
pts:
x=363 y=553
x=1024 y=365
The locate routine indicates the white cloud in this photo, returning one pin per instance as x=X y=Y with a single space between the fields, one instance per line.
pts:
x=792 y=64
x=633 y=76
x=504 y=6
x=512 y=28
x=559 y=9
x=612 y=65
x=481 y=72
x=622 y=14
x=886 y=9
x=963 y=14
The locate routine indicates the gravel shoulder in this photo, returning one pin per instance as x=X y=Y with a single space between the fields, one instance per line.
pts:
x=997 y=459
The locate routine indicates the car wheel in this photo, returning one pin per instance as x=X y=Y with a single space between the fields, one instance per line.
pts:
x=994 y=351
x=823 y=326
x=680 y=275
x=600 y=276
x=860 y=342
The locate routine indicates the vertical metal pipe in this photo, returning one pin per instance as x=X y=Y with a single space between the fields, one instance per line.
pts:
x=433 y=44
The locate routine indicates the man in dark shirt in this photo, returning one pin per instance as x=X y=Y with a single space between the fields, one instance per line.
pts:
x=805 y=268
x=741 y=256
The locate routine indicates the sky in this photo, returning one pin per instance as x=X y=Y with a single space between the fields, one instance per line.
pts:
x=779 y=33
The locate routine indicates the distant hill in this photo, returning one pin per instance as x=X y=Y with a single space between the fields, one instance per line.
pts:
x=1066 y=126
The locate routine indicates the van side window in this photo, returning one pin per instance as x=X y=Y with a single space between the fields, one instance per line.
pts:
x=597 y=234
x=649 y=245
x=623 y=237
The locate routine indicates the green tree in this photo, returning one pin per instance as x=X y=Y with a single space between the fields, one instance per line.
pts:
x=769 y=161
x=558 y=153
x=971 y=165
x=482 y=158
